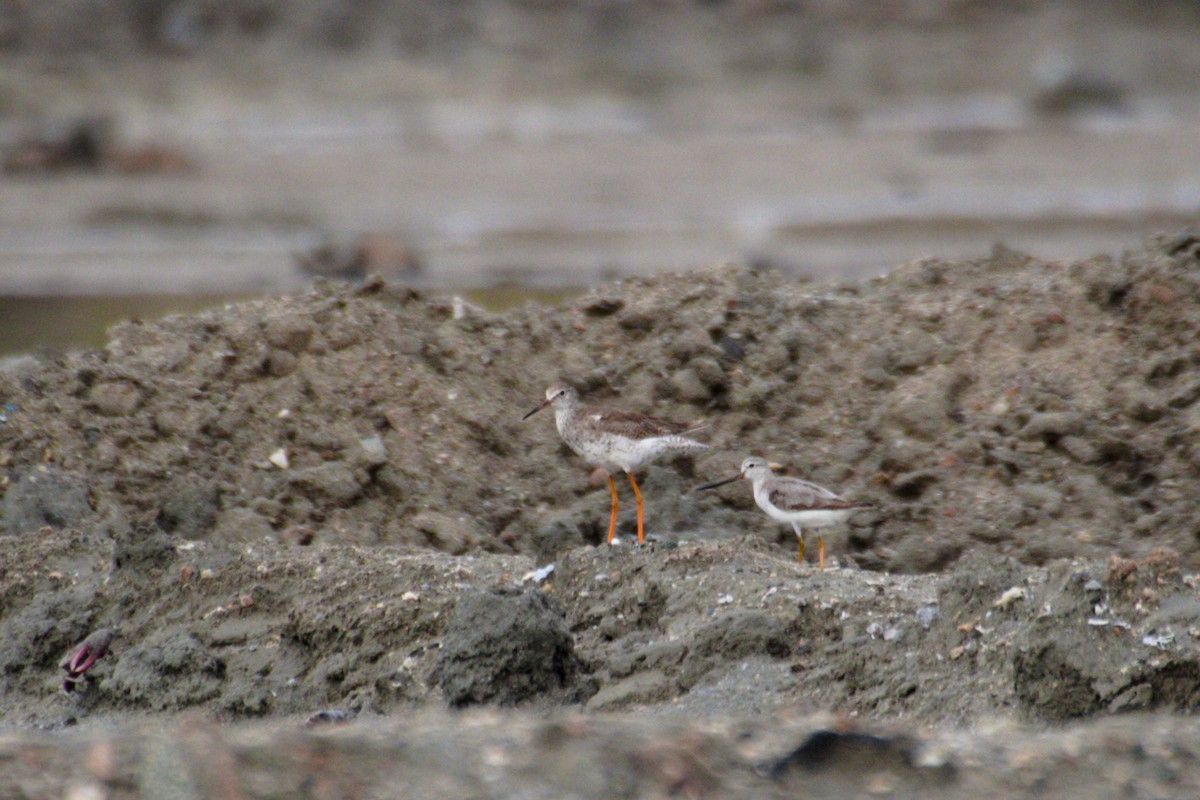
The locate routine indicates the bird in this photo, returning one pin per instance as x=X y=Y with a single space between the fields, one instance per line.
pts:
x=802 y=503
x=616 y=440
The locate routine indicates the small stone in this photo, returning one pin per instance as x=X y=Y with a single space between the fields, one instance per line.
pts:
x=279 y=458
x=1009 y=597
x=335 y=481
x=448 y=533
x=646 y=686
x=290 y=333
x=688 y=386
x=709 y=371
x=635 y=320
x=373 y=450
x=505 y=647
x=115 y=398
x=1040 y=496
x=1051 y=426
x=1144 y=406
x=408 y=344
x=927 y=615
x=281 y=363
x=602 y=306
x=1079 y=449
x=1132 y=699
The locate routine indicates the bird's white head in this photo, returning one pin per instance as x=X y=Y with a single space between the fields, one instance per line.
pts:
x=755 y=468
x=560 y=395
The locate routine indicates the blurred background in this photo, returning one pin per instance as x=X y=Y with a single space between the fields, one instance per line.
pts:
x=164 y=155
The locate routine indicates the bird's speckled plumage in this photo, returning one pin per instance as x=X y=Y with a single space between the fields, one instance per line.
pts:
x=616 y=440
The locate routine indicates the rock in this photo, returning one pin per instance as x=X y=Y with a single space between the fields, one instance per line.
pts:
x=334 y=481
x=1051 y=426
x=688 y=386
x=602 y=305
x=1079 y=449
x=142 y=549
x=188 y=507
x=456 y=534
x=563 y=531
x=637 y=320
x=281 y=363
x=709 y=371
x=920 y=416
x=35 y=637
x=45 y=496
x=371 y=452
x=241 y=524
x=650 y=686
x=506 y=647
x=1041 y=497
x=1144 y=406
x=911 y=485
x=915 y=349
x=408 y=344
x=732 y=636
x=289 y=333
x=115 y=398
x=168 y=670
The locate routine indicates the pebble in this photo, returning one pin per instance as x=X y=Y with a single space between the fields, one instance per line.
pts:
x=115 y=398
x=279 y=458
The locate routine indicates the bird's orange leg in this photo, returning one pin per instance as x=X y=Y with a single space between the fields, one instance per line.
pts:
x=612 y=520
x=800 y=539
x=638 y=494
x=821 y=551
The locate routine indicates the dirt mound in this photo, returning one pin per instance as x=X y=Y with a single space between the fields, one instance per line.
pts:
x=287 y=507
x=505 y=647
x=1008 y=406
x=735 y=627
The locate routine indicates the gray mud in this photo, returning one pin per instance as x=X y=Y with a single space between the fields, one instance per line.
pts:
x=328 y=501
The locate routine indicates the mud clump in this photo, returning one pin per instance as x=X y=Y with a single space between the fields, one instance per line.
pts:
x=506 y=647
x=44 y=497
x=168 y=670
x=40 y=632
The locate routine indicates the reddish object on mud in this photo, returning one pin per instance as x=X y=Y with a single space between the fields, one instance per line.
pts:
x=83 y=657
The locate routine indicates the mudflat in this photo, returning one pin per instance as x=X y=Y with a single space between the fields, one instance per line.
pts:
x=326 y=504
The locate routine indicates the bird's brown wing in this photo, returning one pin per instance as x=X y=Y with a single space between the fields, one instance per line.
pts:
x=794 y=494
x=632 y=424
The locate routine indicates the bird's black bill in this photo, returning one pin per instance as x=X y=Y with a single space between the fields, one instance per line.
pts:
x=536 y=409
x=715 y=484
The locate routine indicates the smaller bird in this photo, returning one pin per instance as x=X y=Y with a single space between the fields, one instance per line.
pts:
x=802 y=503
x=84 y=656
x=616 y=440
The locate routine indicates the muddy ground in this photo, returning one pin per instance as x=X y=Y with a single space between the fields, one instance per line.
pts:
x=328 y=501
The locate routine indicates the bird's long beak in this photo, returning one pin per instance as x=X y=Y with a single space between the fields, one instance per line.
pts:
x=715 y=484
x=536 y=409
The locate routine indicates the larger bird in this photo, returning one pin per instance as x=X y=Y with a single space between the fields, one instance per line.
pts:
x=802 y=503
x=616 y=440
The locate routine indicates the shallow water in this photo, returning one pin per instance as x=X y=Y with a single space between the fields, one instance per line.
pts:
x=73 y=322
x=522 y=199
